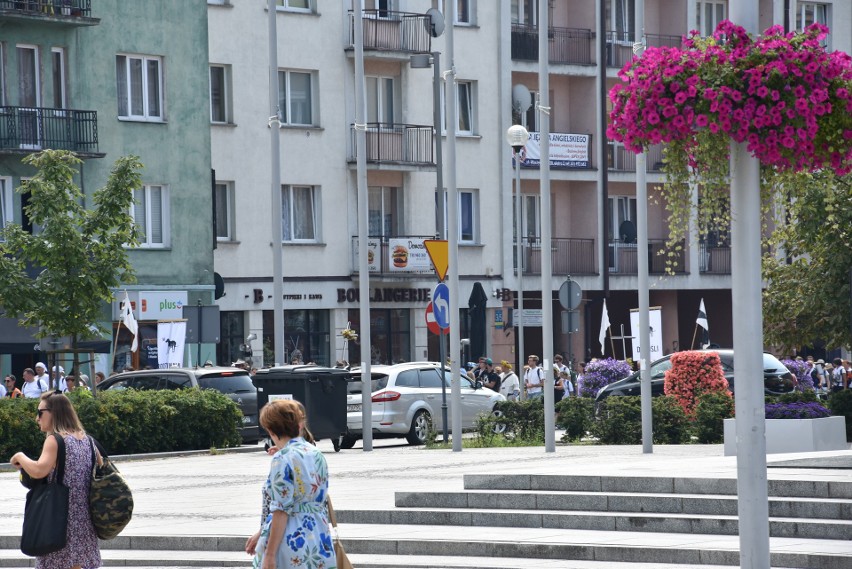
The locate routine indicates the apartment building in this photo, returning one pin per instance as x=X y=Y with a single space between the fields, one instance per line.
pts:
x=107 y=78
x=495 y=49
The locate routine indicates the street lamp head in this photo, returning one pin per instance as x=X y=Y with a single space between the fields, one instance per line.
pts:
x=517 y=137
x=421 y=61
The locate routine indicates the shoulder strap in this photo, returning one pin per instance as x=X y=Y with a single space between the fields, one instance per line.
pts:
x=539 y=372
x=41 y=385
x=98 y=446
x=331 y=516
x=60 y=458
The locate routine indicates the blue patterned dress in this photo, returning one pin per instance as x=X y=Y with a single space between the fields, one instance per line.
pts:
x=298 y=486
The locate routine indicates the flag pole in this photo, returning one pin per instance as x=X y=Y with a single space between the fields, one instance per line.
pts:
x=114 y=348
x=611 y=341
x=694 y=334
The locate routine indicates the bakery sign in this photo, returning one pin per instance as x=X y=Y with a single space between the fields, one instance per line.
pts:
x=408 y=255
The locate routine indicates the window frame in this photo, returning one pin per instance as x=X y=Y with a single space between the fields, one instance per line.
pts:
x=226 y=95
x=472 y=93
x=6 y=203
x=36 y=72
x=619 y=205
x=286 y=98
x=392 y=204
x=701 y=26
x=165 y=217
x=146 y=115
x=230 y=227
x=379 y=99
x=316 y=216
x=817 y=7
x=2 y=74
x=470 y=10
x=474 y=222
x=284 y=6
x=62 y=101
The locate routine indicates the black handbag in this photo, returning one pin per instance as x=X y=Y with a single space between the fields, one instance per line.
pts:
x=46 y=512
x=110 y=498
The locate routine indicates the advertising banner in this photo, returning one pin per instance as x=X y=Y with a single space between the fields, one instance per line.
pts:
x=373 y=252
x=160 y=305
x=566 y=150
x=655 y=320
x=408 y=256
x=171 y=337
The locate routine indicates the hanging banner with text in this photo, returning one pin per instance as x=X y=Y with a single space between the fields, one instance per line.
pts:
x=655 y=321
x=408 y=256
x=566 y=150
x=171 y=337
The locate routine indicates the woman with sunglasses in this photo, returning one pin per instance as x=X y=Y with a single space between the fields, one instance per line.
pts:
x=12 y=392
x=56 y=415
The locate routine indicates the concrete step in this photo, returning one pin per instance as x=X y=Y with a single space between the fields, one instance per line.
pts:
x=653 y=485
x=146 y=558
x=599 y=521
x=830 y=509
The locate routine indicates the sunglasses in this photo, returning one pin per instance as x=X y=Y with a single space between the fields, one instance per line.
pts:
x=41 y=412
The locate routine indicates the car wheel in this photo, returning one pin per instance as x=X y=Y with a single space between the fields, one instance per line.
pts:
x=420 y=427
x=499 y=426
x=347 y=442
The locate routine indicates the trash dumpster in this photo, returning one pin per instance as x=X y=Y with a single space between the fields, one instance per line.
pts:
x=321 y=390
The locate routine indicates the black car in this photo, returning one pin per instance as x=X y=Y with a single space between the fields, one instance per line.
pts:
x=234 y=382
x=777 y=379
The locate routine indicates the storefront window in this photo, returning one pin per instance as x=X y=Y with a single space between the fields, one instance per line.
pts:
x=231 y=335
x=390 y=335
x=143 y=358
x=306 y=336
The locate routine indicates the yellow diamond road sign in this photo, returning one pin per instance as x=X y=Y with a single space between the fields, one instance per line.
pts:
x=439 y=253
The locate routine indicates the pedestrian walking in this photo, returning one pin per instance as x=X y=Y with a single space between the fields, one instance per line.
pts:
x=533 y=378
x=33 y=386
x=296 y=531
x=12 y=392
x=510 y=385
x=56 y=414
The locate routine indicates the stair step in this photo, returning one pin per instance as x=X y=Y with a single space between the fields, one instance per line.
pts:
x=653 y=485
x=146 y=558
x=832 y=509
x=599 y=521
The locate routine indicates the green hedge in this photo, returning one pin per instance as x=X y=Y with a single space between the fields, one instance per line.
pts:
x=710 y=411
x=129 y=422
x=619 y=421
x=575 y=415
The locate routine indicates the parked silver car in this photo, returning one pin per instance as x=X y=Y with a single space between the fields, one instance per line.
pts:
x=406 y=401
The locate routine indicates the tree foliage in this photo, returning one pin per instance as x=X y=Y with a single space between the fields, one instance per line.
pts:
x=807 y=295
x=81 y=253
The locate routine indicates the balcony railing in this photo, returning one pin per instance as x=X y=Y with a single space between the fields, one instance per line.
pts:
x=25 y=129
x=619 y=46
x=386 y=30
x=714 y=260
x=382 y=260
x=623 y=258
x=565 y=45
x=569 y=256
x=49 y=8
x=619 y=159
x=391 y=143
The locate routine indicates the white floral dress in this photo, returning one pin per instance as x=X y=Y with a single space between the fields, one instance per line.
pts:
x=298 y=486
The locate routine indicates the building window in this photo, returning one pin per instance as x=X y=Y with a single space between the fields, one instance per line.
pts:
x=295 y=93
x=464 y=12
x=811 y=13
x=620 y=19
x=299 y=218
x=390 y=335
x=58 y=60
x=151 y=216
x=220 y=94
x=231 y=335
x=306 y=337
x=139 y=82
x=468 y=215
x=529 y=119
x=2 y=75
x=306 y=6
x=710 y=13
x=621 y=209
x=224 y=203
x=380 y=100
x=525 y=12
x=465 y=108
x=385 y=211
x=5 y=203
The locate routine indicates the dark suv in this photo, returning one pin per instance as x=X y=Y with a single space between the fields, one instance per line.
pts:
x=233 y=382
x=777 y=379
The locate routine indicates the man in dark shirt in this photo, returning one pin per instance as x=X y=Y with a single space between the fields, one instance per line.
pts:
x=489 y=377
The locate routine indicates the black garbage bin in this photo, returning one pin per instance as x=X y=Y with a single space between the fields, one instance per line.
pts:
x=321 y=390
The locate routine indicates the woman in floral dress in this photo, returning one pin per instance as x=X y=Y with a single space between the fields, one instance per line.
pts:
x=295 y=533
x=57 y=415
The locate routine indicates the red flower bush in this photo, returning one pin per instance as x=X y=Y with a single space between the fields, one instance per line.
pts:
x=692 y=374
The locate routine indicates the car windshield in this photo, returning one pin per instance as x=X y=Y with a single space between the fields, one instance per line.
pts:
x=379 y=382
x=227 y=382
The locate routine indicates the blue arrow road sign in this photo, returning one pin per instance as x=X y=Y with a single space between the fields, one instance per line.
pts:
x=441 y=305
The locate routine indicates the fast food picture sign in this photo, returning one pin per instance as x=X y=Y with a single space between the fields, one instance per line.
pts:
x=408 y=256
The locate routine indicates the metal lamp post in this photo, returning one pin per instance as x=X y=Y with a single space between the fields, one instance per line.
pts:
x=517 y=137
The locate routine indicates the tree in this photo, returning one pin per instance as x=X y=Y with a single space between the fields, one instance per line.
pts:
x=807 y=298
x=81 y=254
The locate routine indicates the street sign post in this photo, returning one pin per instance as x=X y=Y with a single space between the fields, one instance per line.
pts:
x=441 y=305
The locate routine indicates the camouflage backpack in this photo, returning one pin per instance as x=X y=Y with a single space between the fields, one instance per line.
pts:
x=110 y=499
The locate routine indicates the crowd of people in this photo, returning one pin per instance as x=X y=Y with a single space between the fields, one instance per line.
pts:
x=36 y=381
x=503 y=379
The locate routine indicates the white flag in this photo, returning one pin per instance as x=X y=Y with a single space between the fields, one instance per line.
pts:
x=130 y=322
x=604 y=326
x=702 y=316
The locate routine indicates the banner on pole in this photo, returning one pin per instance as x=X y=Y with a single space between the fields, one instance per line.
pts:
x=655 y=321
x=171 y=337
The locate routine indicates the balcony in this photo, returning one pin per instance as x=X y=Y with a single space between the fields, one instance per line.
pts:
x=30 y=129
x=64 y=12
x=396 y=144
x=400 y=256
x=569 y=256
x=619 y=46
x=388 y=31
x=623 y=258
x=619 y=159
x=565 y=45
x=714 y=260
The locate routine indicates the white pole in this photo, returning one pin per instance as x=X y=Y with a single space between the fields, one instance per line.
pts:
x=519 y=253
x=275 y=183
x=451 y=99
x=752 y=493
x=363 y=228
x=546 y=233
